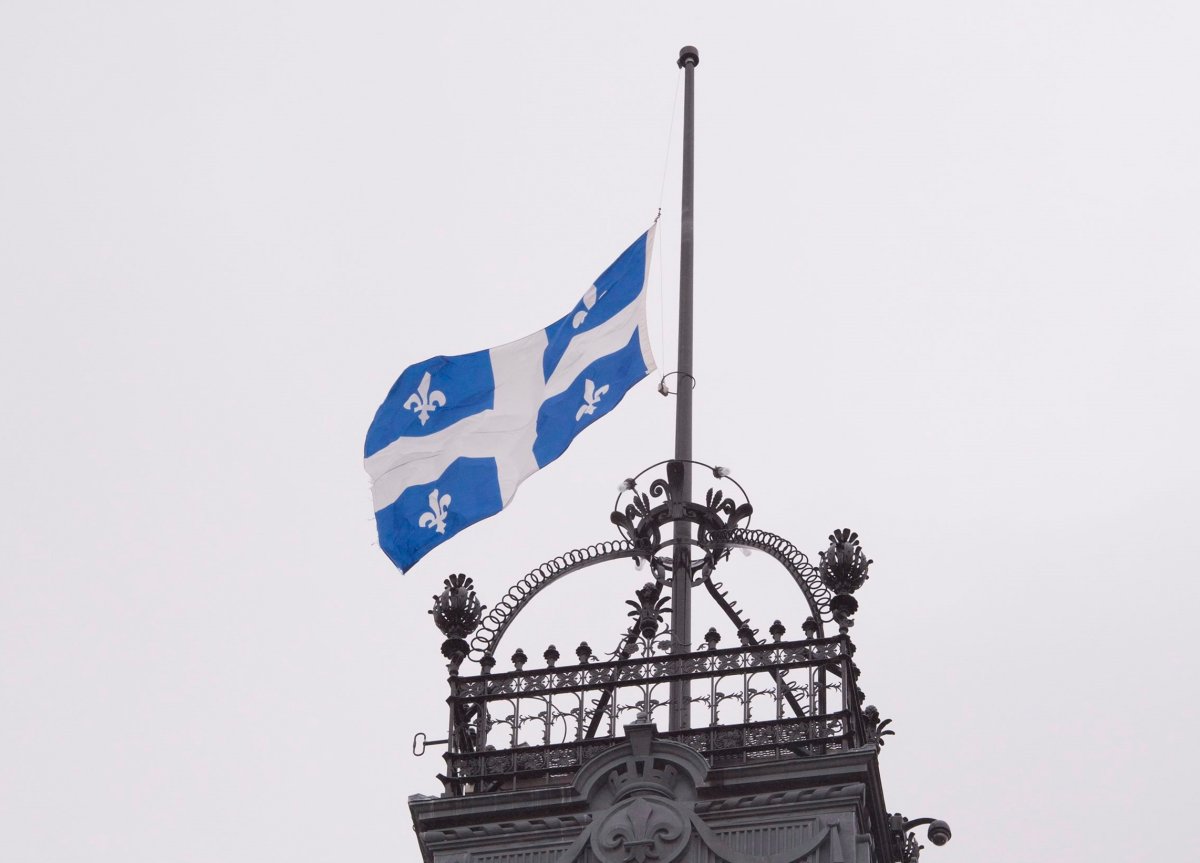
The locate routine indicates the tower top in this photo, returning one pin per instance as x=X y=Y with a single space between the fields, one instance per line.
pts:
x=778 y=716
x=548 y=752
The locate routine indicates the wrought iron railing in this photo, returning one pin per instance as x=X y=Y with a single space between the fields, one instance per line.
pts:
x=753 y=702
x=758 y=702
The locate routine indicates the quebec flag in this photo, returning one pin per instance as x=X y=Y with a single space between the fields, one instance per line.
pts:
x=457 y=435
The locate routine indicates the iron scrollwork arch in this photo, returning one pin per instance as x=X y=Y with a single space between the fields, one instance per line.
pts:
x=496 y=621
x=498 y=618
x=795 y=561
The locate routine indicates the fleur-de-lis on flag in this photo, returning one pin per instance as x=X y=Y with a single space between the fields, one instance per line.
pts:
x=591 y=398
x=423 y=401
x=439 y=508
x=589 y=300
x=476 y=425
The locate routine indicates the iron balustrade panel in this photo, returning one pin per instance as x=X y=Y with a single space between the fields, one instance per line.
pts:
x=749 y=703
x=721 y=746
x=737 y=686
x=562 y=759
x=779 y=656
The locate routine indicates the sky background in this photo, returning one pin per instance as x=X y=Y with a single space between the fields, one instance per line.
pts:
x=946 y=294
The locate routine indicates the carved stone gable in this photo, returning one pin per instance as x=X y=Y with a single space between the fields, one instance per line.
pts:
x=642 y=797
x=650 y=799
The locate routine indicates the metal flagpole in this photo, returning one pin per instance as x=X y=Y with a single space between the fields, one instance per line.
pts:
x=681 y=575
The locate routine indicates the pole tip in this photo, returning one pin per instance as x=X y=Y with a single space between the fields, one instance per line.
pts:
x=688 y=54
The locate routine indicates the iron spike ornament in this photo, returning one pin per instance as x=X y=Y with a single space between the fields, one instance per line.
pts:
x=457 y=612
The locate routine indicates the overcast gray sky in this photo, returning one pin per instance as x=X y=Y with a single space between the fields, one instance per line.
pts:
x=946 y=276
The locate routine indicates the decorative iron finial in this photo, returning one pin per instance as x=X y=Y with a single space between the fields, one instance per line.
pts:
x=843 y=565
x=457 y=612
x=551 y=655
x=777 y=630
x=712 y=637
x=519 y=659
x=810 y=627
x=876 y=729
x=583 y=652
x=844 y=569
x=648 y=609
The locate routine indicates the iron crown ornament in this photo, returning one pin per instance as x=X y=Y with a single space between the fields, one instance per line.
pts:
x=642 y=520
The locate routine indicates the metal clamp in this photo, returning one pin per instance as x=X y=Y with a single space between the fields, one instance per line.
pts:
x=665 y=390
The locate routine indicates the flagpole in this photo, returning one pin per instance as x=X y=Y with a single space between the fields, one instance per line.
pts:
x=681 y=576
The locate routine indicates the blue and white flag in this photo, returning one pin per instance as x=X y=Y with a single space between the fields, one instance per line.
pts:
x=457 y=435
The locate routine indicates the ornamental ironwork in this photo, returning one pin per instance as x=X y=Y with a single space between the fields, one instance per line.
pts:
x=764 y=698
x=456 y=612
x=648 y=610
x=642 y=519
x=843 y=565
x=493 y=625
x=784 y=699
x=876 y=728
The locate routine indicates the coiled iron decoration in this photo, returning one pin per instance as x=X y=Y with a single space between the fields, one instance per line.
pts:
x=493 y=625
x=498 y=618
x=796 y=562
x=721 y=525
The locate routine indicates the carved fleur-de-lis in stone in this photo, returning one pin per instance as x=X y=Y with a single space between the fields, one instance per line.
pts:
x=439 y=508
x=423 y=401
x=591 y=398
x=642 y=832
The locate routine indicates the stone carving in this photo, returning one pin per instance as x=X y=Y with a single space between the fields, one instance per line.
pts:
x=641 y=830
x=642 y=795
x=777 y=798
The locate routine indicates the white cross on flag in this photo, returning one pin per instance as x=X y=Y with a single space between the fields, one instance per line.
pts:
x=457 y=435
